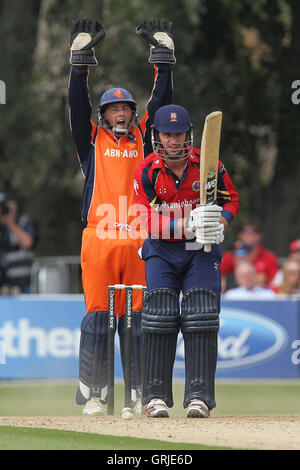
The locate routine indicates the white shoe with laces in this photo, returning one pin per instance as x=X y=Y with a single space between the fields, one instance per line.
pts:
x=156 y=408
x=93 y=407
x=197 y=409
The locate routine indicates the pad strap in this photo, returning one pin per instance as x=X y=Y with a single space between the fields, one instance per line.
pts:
x=199 y=311
x=161 y=312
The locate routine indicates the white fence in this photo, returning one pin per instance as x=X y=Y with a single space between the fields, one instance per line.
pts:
x=56 y=275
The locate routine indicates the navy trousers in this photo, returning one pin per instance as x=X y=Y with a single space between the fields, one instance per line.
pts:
x=178 y=267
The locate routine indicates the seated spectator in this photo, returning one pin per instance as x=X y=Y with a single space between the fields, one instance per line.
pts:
x=294 y=250
x=290 y=284
x=247 y=288
x=249 y=247
x=17 y=240
x=293 y=254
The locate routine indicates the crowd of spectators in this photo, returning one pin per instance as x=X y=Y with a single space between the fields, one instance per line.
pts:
x=251 y=270
x=248 y=270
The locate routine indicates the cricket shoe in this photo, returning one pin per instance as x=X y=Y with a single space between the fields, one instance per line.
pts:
x=197 y=409
x=156 y=408
x=93 y=407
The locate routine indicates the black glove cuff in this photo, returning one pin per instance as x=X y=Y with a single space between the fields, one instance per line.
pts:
x=83 y=57
x=161 y=55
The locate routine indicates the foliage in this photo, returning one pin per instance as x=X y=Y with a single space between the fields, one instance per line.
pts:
x=240 y=57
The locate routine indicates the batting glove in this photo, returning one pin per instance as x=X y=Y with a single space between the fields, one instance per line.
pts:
x=157 y=33
x=210 y=235
x=204 y=217
x=84 y=35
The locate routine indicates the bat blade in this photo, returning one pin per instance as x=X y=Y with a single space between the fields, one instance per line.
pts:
x=210 y=147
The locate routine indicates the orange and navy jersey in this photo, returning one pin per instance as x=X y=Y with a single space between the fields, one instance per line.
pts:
x=162 y=198
x=108 y=163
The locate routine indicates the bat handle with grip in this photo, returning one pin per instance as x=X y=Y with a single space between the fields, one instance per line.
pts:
x=207 y=247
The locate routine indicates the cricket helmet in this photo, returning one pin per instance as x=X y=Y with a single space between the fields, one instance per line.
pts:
x=172 y=119
x=116 y=95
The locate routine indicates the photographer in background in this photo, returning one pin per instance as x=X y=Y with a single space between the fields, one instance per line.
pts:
x=17 y=240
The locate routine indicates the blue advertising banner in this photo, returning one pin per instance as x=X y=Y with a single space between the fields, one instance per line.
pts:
x=259 y=339
x=39 y=338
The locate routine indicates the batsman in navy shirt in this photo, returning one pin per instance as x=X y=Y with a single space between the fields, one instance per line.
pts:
x=167 y=192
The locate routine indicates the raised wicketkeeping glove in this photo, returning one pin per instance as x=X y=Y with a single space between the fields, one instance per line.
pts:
x=84 y=35
x=157 y=33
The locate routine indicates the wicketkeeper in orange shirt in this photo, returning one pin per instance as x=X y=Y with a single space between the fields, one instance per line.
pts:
x=108 y=153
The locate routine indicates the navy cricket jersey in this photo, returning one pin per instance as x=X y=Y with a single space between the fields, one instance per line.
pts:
x=162 y=198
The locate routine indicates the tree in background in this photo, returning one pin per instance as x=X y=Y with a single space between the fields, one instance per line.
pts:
x=240 y=57
x=18 y=38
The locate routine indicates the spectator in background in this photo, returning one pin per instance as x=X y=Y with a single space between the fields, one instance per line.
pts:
x=249 y=247
x=17 y=240
x=290 y=284
x=294 y=254
x=294 y=249
x=247 y=288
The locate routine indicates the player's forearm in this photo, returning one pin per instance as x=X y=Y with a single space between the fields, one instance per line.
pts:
x=159 y=225
x=228 y=197
x=80 y=108
x=224 y=221
x=162 y=90
x=164 y=227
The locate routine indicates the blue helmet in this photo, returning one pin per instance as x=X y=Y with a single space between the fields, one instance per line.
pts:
x=172 y=118
x=116 y=95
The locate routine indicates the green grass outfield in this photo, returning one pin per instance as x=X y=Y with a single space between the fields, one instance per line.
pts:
x=19 y=438
x=46 y=398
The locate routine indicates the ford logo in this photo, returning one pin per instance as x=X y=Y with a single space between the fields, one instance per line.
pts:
x=245 y=338
x=248 y=338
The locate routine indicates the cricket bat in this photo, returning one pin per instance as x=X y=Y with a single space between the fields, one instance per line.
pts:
x=209 y=158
